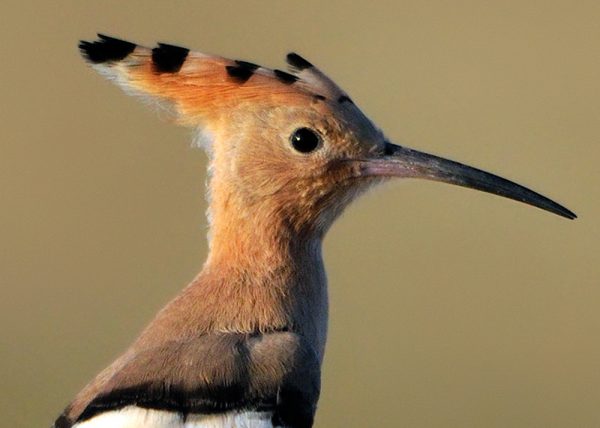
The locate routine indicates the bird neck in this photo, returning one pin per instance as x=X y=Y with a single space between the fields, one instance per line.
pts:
x=250 y=232
x=260 y=275
x=253 y=239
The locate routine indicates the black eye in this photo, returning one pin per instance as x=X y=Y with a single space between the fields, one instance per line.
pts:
x=305 y=140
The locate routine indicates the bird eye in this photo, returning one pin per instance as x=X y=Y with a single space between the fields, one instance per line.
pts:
x=305 y=140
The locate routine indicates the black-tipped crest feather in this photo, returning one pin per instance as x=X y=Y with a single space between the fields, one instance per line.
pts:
x=106 y=49
x=297 y=61
x=241 y=71
x=285 y=77
x=168 y=58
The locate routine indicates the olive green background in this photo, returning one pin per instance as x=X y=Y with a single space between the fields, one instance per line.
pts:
x=449 y=307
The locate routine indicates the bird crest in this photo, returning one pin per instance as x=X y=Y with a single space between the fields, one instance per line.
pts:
x=203 y=88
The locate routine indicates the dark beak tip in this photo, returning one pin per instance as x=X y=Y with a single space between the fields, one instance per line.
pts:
x=560 y=210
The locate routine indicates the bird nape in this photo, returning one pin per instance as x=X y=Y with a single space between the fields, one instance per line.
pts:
x=242 y=345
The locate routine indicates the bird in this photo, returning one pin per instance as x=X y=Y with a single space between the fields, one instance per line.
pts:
x=242 y=345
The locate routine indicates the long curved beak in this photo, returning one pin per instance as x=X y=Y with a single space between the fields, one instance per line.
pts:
x=404 y=162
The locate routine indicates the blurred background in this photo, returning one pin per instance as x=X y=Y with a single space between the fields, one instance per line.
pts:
x=449 y=307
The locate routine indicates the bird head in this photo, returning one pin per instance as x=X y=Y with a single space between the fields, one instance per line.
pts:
x=291 y=147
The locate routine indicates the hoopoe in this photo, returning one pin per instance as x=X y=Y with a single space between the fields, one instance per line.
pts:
x=242 y=345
